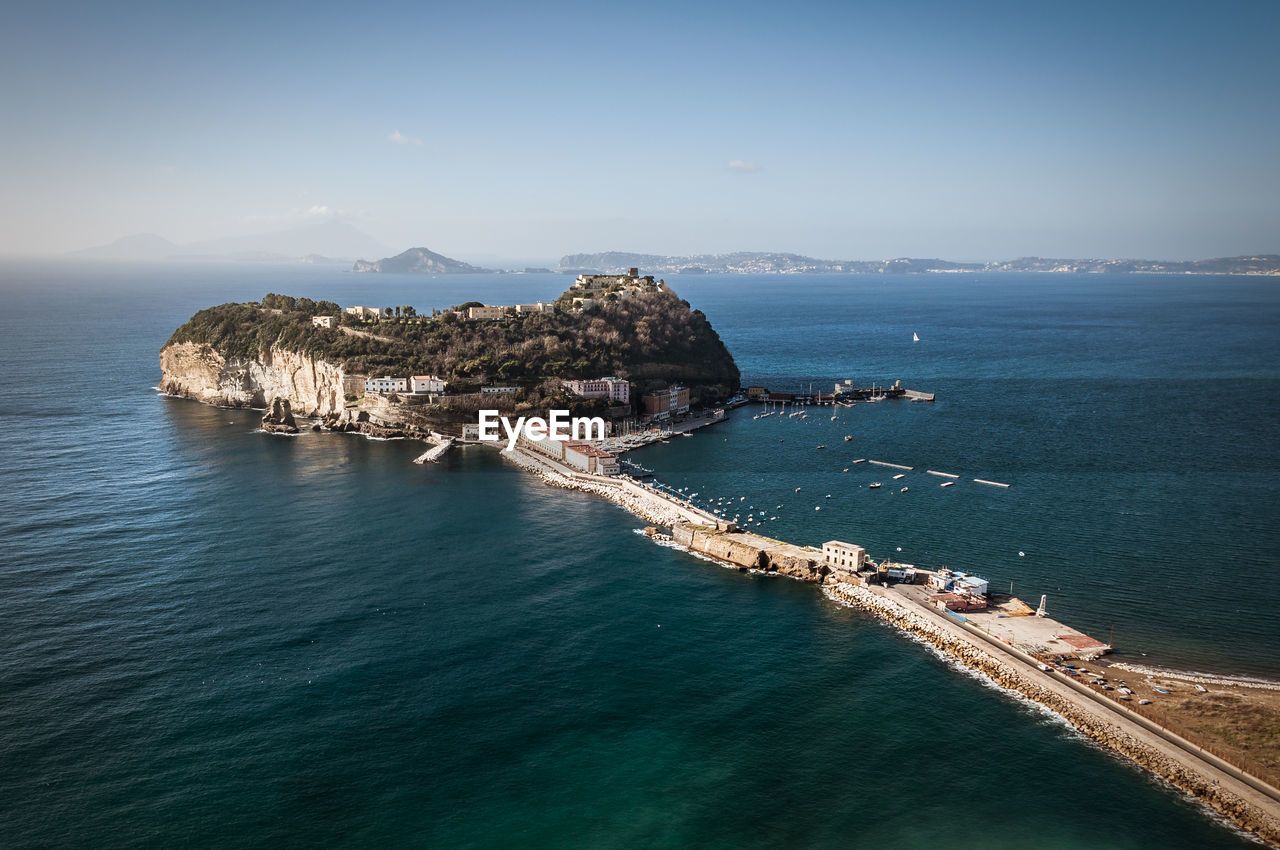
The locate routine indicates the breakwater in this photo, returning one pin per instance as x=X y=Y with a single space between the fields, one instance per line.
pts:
x=1239 y=797
x=1234 y=799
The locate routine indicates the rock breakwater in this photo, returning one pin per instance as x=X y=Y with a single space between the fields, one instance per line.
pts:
x=1092 y=724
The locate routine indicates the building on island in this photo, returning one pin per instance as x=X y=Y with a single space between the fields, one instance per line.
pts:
x=664 y=404
x=583 y=457
x=959 y=591
x=837 y=553
x=386 y=385
x=498 y=390
x=325 y=321
x=364 y=312
x=588 y=288
x=614 y=389
x=540 y=307
x=590 y=459
x=486 y=312
x=426 y=384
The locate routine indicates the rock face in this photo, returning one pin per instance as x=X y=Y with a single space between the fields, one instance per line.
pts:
x=312 y=387
x=752 y=552
x=279 y=419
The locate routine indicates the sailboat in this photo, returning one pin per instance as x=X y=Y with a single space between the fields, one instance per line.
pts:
x=915 y=337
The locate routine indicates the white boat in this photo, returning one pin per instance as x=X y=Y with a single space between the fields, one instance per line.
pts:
x=874 y=485
x=915 y=337
x=848 y=437
x=899 y=475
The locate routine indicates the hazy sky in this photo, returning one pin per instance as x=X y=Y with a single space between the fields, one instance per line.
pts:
x=842 y=130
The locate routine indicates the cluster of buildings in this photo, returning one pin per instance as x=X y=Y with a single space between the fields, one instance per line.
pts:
x=471 y=313
x=664 y=404
x=955 y=590
x=501 y=312
x=581 y=456
x=589 y=288
x=417 y=384
x=958 y=591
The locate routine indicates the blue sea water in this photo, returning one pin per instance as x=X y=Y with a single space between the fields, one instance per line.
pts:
x=215 y=637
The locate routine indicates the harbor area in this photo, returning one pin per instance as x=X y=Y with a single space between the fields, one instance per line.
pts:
x=1009 y=619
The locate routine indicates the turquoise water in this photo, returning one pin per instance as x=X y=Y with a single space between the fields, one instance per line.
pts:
x=216 y=637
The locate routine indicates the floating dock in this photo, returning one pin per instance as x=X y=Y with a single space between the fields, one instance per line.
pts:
x=886 y=463
x=992 y=483
x=943 y=474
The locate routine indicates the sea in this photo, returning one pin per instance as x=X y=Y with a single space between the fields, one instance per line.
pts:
x=215 y=637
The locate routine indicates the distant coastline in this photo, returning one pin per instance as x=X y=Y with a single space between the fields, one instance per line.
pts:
x=763 y=262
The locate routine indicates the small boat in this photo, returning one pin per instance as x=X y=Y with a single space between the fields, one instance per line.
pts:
x=823 y=446
x=915 y=337
x=848 y=437
x=874 y=485
x=899 y=475
x=903 y=490
x=797 y=489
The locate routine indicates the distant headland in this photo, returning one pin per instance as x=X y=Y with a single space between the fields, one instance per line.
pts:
x=764 y=262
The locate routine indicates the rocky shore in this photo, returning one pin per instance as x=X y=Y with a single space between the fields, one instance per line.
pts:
x=648 y=506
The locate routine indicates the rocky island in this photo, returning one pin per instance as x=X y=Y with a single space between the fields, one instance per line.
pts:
x=357 y=369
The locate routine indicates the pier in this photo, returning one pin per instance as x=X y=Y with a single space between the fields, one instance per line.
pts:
x=894 y=465
x=435 y=453
x=1013 y=648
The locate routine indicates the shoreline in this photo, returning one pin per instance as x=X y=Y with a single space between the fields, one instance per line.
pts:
x=1245 y=801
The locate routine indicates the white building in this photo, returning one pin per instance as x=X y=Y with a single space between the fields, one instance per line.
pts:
x=486 y=312
x=590 y=459
x=614 y=389
x=364 y=312
x=426 y=384
x=386 y=385
x=540 y=307
x=325 y=321
x=498 y=390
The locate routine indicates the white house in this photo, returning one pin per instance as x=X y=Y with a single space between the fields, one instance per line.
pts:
x=386 y=385
x=364 y=312
x=325 y=321
x=426 y=384
x=614 y=389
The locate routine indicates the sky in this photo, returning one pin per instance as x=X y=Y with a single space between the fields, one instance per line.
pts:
x=842 y=130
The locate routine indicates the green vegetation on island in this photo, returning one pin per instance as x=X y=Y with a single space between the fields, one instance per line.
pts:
x=651 y=338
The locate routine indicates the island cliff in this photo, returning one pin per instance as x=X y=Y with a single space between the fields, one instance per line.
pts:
x=249 y=355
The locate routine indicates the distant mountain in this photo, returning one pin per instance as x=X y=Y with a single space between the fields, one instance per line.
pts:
x=143 y=246
x=762 y=262
x=418 y=261
x=326 y=239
